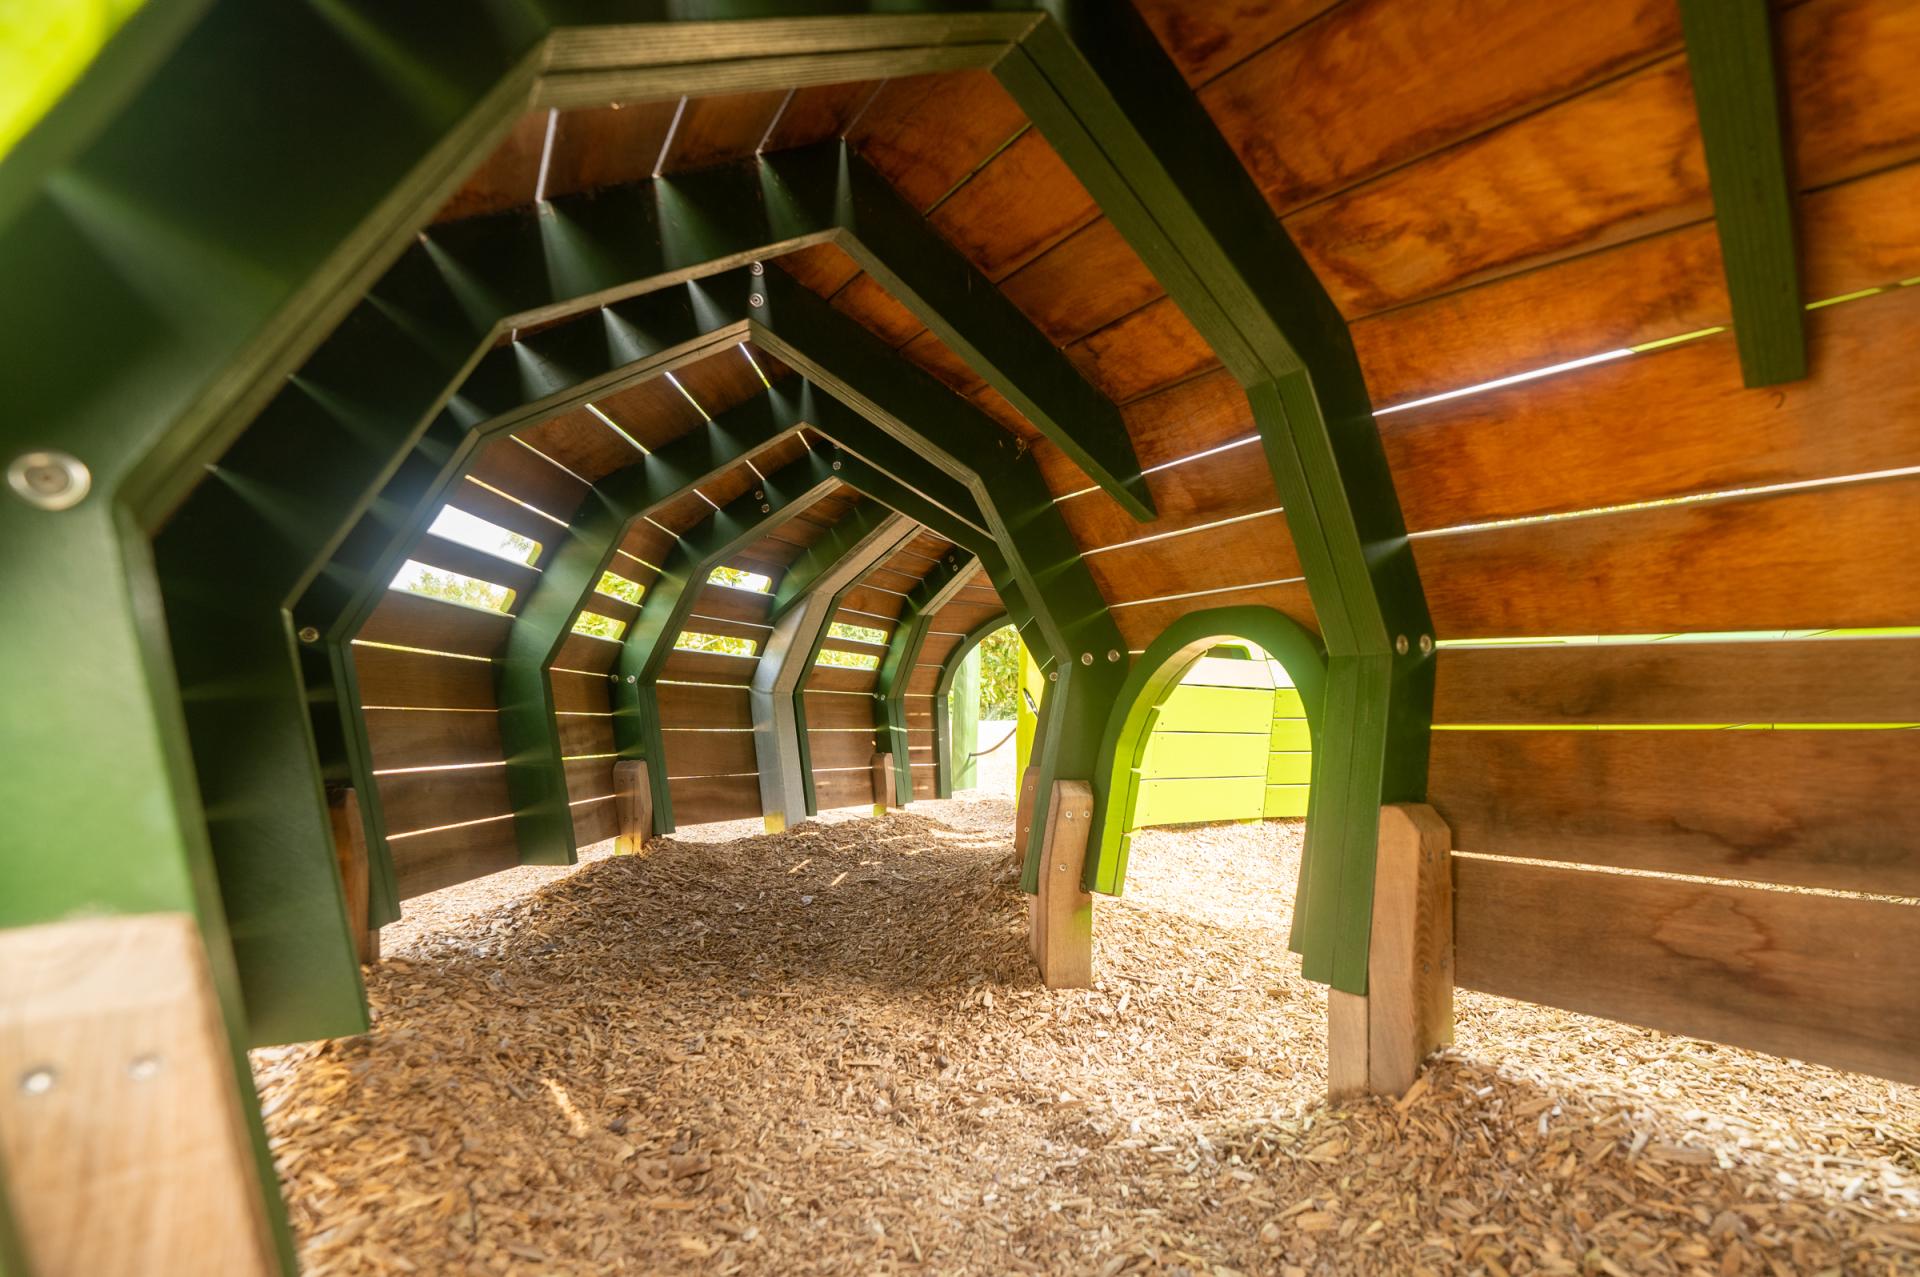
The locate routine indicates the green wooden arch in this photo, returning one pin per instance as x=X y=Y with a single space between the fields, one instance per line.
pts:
x=1153 y=676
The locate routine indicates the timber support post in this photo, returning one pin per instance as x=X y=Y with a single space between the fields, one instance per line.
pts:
x=350 y=847
x=633 y=803
x=883 y=794
x=1376 y=1041
x=1062 y=910
x=1023 y=815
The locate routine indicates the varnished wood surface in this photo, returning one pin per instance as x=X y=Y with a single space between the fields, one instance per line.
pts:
x=416 y=680
x=707 y=667
x=1244 y=553
x=1806 y=808
x=839 y=710
x=1142 y=624
x=427 y=800
x=925 y=133
x=431 y=738
x=405 y=619
x=831 y=749
x=1148 y=350
x=702 y=799
x=708 y=753
x=1019 y=204
x=1812 y=977
x=1206 y=37
x=432 y=861
x=682 y=705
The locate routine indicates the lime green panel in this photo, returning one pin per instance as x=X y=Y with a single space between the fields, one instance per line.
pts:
x=1286 y=800
x=1216 y=709
x=1026 y=723
x=1180 y=754
x=1286 y=704
x=1178 y=802
x=1290 y=734
x=1289 y=769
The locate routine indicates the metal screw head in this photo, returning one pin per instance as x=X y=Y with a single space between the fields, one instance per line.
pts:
x=1113 y=654
x=758 y=268
x=309 y=634
x=755 y=299
x=766 y=509
x=1086 y=658
x=143 y=1067
x=1426 y=644
x=836 y=465
x=49 y=480
x=759 y=495
x=630 y=678
x=38 y=1081
x=1400 y=644
x=1053 y=676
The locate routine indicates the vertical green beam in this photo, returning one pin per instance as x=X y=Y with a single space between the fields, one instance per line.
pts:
x=940 y=584
x=957 y=729
x=1104 y=94
x=1736 y=93
x=949 y=770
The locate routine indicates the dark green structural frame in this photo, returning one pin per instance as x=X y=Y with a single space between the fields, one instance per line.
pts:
x=945 y=768
x=1736 y=93
x=1154 y=676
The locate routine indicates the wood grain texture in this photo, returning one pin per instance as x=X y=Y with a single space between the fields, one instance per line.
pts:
x=819 y=112
x=1243 y=553
x=505 y=178
x=1148 y=350
x=682 y=705
x=414 y=620
x=431 y=738
x=1205 y=37
x=596 y=821
x=820 y=268
x=702 y=799
x=429 y=862
x=833 y=750
x=1375 y=84
x=1410 y=949
x=1184 y=419
x=587 y=653
x=526 y=476
x=579 y=693
x=350 y=854
x=707 y=667
x=1225 y=485
x=715 y=130
x=1142 y=624
x=1858 y=680
x=606 y=145
x=865 y=300
x=1085 y=282
x=136 y=1160
x=633 y=806
x=1556 y=446
x=925 y=133
x=839 y=710
x=413 y=801
x=1019 y=204
x=582 y=443
x=1853 y=102
x=861 y=604
x=844 y=788
x=1840 y=556
x=708 y=753
x=583 y=735
x=1812 y=977
x=1620 y=161
x=419 y=680
x=1063 y=909
x=589 y=778
x=880 y=775
x=1803 y=808
x=833 y=678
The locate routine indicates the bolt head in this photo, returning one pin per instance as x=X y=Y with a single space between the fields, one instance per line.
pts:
x=49 y=480
x=1400 y=644
x=630 y=678
x=759 y=495
x=1113 y=654
x=38 y=1080
x=836 y=465
x=755 y=299
x=758 y=268
x=1053 y=676
x=309 y=634
x=1426 y=644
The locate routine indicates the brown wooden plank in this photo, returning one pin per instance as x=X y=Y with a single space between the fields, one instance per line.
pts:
x=857 y=647
x=1853 y=102
x=698 y=800
x=1022 y=202
x=839 y=710
x=646 y=542
x=1556 y=445
x=416 y=680
x=838 y=678
x=1086 y=281
x=585 y=735
x=1805 y=808
x=589 y=778
x=605 y=145
x=937 y=648
x=1148 y=350
x=715 y=130
x=1250 y=552
x=920 y=742
x=595 y=821
x=588 y=653
x=961 y=617
x=432 y=861
x=452 y=556
x=864 y=300
x=755 y=634
x=1374 y=84
x=652 y=411
x=1207 y=412
x=924 y=785
x=998 y=407
x=925 y=133
x=1845 y=555
x=579 y=693
x=928 y=353
x=414 y=620
x=1518 y=196
x=1205 y=37
x=923 y=681
x=838 y=789
x=707 y=667
x=1813 y=977
x=505 y=179
x=613 y=606
x=888 y=579
x=831 y=749
x=431 y=738
x=818 y=112
x=483 y=503
x=867 y=602
x=1855 y=680
x=427 y=800
x=686 y=706
x=709 y=753
x=583 y=444
x=526 y=476
x=1223 y=485
x=1142 y=624
x=820 y=268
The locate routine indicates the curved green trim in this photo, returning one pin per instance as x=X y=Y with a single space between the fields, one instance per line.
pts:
x=1155 y=674
x=942 y=730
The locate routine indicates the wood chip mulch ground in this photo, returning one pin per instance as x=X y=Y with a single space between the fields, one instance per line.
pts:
x=826 y=1052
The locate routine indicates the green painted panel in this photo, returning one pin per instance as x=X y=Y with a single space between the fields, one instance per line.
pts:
x=1182 y=754
x=1180 y=802
x=1286 y=800
x=1290 y=734
x=1286 y=704
x=1289 y=769
x=1216 y=709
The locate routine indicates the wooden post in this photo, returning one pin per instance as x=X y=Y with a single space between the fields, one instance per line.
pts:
x=1062 y=911
x=1376 y=1043
x=121 y=1127
x=633 y=804
x=883 y=796
x=350 y=848
x=1023 y=816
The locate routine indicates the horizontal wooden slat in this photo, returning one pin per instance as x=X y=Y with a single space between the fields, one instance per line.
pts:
x=1148 y=350
x=431 y=738
x=1244 y=553
x=581 y=441
x=645 y=542
x=580 y=693
x=839 y=710
x=1791 y=973
x=962 y=615
x=708 y=753
x=749 y=606
x=937 y=648
x=432 y=861
x=836 y=789
x=522 y=474
x=754 y=634
x=587 y=652
x=414 y=620
x=1806 y=808
x=923 y=681
x=708 y=667
x=1846 y=555
x=920 y=742
x=870 y=602
x=418 y=680
x=1139 y=626
x=589 y=778
x=452 y=556
x=584 y=734
x=427 y=800
x=923 y=781
x=700 y=799
x=838 y=678
x=1556 y=446
x=683 y=706
x=595 y=822
x=1222 y=485
x=1854 y=680
x=612 y=605
x=496 y=509
x=833 y=749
